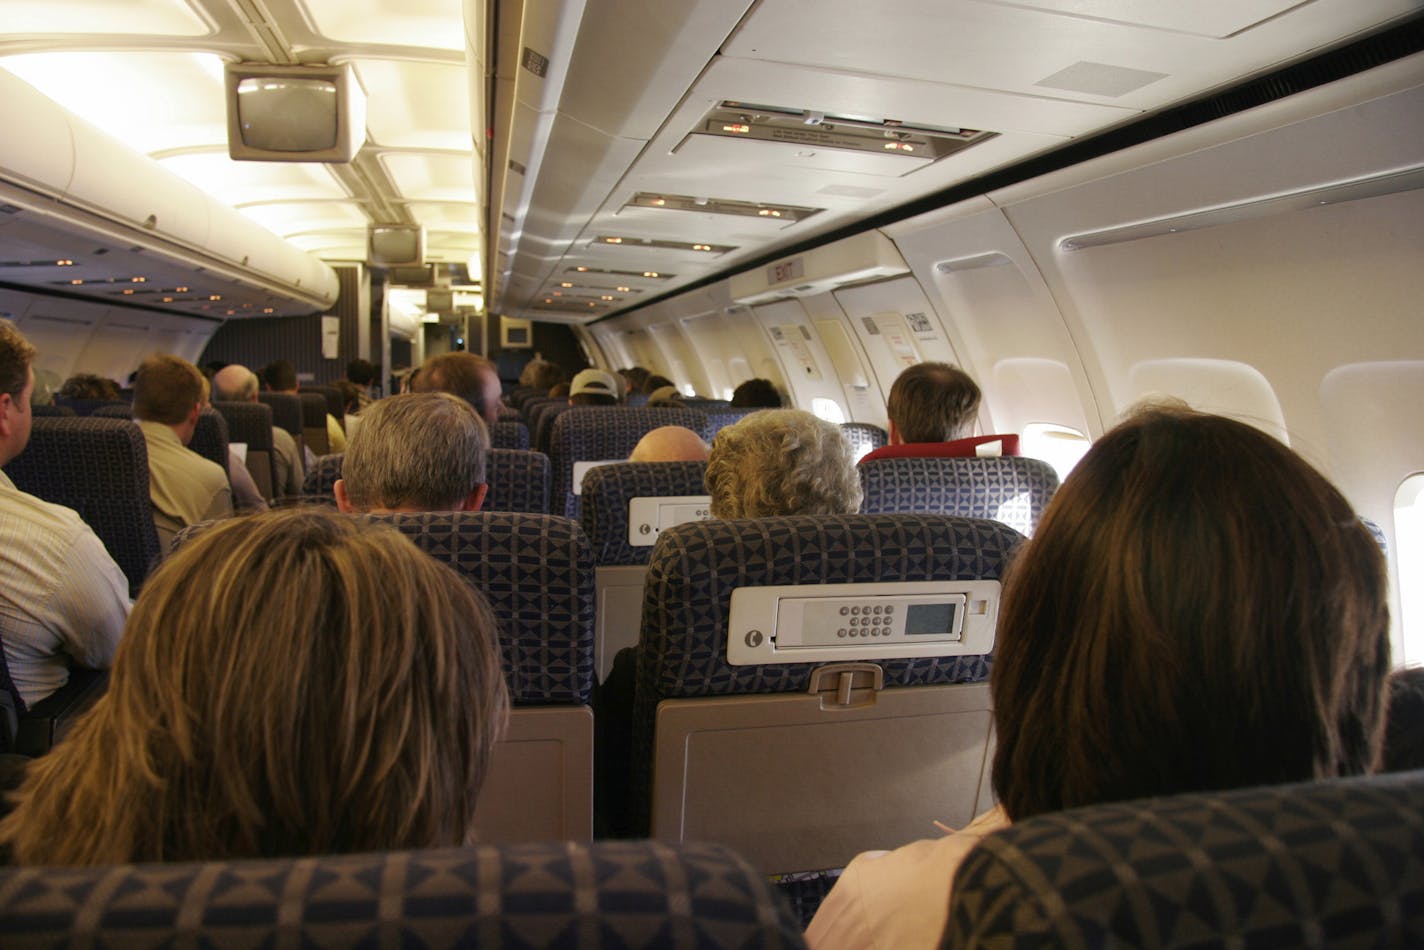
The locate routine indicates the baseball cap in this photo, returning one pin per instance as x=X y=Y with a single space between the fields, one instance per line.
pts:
x=596 y=381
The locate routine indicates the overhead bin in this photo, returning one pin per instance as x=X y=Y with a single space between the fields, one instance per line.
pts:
x=862 y=257
x=85 y=180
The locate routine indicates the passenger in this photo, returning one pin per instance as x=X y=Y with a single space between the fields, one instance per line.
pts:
x=237 y=383
x=280 y=376
x=246 y=497
x=655 y=382
x=294 y=683
x=756 y=393
x=559 y=391
x=362 y=374
x=63 y=600
x=782 y=462
x=1404 y=726
x=472 y=378
x=543 y=375
x=932 y=409
x=1199 y=610
x=594 y=387
x=633 y=379
x=89 y=386
x=185 y=488
x=665 y=397
x=670 y=444
x=417 y=452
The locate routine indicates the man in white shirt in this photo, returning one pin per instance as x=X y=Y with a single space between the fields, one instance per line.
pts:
x=63 y=600
x=185 y=488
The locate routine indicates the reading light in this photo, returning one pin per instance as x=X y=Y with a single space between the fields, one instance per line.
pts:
x=64 y=263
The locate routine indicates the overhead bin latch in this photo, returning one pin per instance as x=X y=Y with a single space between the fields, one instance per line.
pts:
x=847 y=685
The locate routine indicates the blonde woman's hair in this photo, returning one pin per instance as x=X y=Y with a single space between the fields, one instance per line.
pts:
x=289 y=683
x=782 y=462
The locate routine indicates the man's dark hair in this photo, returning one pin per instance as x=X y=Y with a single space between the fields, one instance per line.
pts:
x=933 y=402
x=756 y=393
x=89 y=386
x=362 y=372
x=654 y=382
x=279 y=376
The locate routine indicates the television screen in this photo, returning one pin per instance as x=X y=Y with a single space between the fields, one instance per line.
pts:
x=396 y=246
x=294 y=113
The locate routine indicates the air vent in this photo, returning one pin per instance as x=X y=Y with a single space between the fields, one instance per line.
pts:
x=746 y=209
x=818 y=130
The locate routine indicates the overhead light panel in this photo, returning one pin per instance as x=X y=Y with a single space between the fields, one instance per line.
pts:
x=810 y=129
x=622 y=241
x=650 y=274
x=745 y=209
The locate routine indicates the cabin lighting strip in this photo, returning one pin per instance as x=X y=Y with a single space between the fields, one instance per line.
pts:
x=813 y=129
x=745 y=209
x=650 y=274
x=618 y=240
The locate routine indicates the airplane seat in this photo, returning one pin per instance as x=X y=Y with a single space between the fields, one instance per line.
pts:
x=637 y=400
x=664 y=494
x=724 y=416
x=529 y=408
x=86 y=407
x=553 y=893
x=314 y=422
x=210 y=437
x=518 y=480
x=509 y=434
x=536 y=571
x=1014 y=490
x=1332 y=863
x=287 y=414
x=55 y=410
x=335 y=404
x=32 y=731
x=517 y=395
x=250 y=423
x=864 y=437
x=603 y=434
x=508 y=414
x=108 y=409
x=883 y=728
x=541 y=429
x=98 y=467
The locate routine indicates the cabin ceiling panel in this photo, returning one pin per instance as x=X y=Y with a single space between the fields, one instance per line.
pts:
x=420 y=105
x=132 y=17
x=238 y=183
x=153 y=101
x=436 y=24
x=1012 y=47
x=295 y=217
x=429 y=177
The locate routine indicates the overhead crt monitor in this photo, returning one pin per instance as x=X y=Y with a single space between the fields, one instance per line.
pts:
x=294 y=113
x=818 y=623
x=395 y=245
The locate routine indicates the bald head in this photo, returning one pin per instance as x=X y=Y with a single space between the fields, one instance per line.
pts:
x=235 y=383
x=670 y=444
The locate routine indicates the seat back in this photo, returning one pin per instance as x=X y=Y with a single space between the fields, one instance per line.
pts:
x=251 y=424
x=314 y=422
x=1013 y=490
x=536 y=571
x=210 y=437
x=909 y=733
x=108 y=409
x=509 y=434
x=1335 y=863
x=52 y=411
x=722 y=416
x=286 y=411
x=518 y=480
x=606 y=894
x=86 y=407
x=335 y=404
x=864 y=437
x=541 y=425
x=98 y=467
x=601 y=434
x=622 y=543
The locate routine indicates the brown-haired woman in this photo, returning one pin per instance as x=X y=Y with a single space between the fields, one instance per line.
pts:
x=1200 y=609
x=290 y=683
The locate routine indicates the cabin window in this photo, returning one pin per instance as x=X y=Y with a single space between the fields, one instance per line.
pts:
x=1409 y=564
x=1059 y=446
x=828 y=409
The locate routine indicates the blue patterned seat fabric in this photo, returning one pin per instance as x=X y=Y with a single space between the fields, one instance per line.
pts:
x=98 y=467
x=550 y=894
x=537 y=573
x=210 y=437
x=1335 y=863
x=52 y=411
x=1012 y=490
x=695 y=567
x=108 y=409
x=604 y=433
x=86 y=407
x=518 y=480
x=509 y=434
x=608 y=489
x=864 y=437
x=723 y=416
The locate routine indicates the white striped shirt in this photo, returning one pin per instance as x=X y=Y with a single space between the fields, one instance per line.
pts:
x=63 y=600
